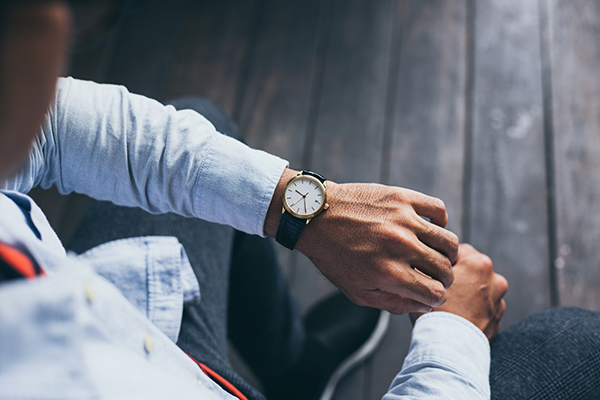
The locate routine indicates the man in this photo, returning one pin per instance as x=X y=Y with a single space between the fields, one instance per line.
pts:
x=84 y=339
x=98 y=140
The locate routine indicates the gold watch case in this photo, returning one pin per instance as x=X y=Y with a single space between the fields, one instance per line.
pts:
x=297 y=205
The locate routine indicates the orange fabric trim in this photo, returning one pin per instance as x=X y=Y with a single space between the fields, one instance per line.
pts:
x=18 y=261
x=224 y=383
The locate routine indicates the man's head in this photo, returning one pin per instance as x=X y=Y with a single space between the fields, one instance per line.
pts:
x=33 y=45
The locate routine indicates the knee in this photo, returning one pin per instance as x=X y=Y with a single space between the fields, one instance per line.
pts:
x=567 y=317
x=555 y=327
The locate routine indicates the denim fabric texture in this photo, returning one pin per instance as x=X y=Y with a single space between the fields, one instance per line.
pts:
x=449 y=358
x=554 y=354
x=105 y=142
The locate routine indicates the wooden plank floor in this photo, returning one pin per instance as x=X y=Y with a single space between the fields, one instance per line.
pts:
x=492 y=106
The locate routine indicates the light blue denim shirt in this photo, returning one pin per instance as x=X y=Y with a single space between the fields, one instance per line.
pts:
x=117 y=308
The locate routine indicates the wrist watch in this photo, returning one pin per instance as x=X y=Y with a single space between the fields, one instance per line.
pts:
x=304 y=196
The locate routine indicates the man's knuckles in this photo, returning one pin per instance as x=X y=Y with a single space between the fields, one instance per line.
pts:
x=403 y=242
x=464 y=249
x=477 y=261
x=438 y=210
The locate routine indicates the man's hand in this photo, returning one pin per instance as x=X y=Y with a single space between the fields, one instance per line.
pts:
x=477 y=293
x=372 y=238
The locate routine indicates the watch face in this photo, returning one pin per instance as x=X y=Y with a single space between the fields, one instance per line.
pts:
x=304 y=196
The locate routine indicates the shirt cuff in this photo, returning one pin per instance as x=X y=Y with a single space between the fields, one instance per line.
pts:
x=448 y=357
x=236 y=184
x=441 y=333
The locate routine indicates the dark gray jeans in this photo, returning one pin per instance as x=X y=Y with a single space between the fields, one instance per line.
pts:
x=554 y=354
x=551 y=355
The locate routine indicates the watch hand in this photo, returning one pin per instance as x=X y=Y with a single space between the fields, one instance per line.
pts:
x=297 y=202
x=305 y=204
x=303 y=195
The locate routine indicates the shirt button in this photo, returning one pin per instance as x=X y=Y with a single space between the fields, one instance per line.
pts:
x=200 y=383
x=149 y=343
x=90 y=294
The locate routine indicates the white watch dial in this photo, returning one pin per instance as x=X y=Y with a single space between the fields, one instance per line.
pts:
x=304 y=197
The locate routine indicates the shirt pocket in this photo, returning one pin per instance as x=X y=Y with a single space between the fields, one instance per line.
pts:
x=153 y=273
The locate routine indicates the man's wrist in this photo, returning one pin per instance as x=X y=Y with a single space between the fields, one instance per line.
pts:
x=307 y=239
x=311 y=240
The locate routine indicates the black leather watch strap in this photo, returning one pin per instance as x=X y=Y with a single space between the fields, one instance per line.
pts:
x=290 y=229
x=311 y=173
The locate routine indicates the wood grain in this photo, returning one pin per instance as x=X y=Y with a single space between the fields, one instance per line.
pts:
x=212 y=50
x=143 y=55
x=508 y=216
x=348 y=137
x=575 y=65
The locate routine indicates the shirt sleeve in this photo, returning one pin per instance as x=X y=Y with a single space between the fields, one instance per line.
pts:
x=102 y=141
x=449 y=358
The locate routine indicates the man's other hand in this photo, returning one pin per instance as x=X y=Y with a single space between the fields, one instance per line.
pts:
x=477 y=293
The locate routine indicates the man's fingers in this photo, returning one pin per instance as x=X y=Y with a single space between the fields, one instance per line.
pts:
x=439 y=239
x=418 y=248
x=492 y=329
x=390 y=302
x=416 y=286
x=435 y=265
x=432 y=208
x=500 y=284
x=495 y=323
x=501 y=287
x=501 y=309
